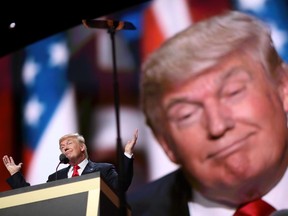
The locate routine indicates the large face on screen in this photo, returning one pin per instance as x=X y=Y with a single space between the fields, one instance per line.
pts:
x=228 y=128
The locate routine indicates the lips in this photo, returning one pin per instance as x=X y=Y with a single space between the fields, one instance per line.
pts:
x=230 y=148
x=68 y=151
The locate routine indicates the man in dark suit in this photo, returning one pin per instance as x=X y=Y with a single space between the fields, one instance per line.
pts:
x=74 y=148
x=216 y=98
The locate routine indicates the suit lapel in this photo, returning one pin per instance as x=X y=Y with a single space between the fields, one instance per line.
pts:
x=62 y=174
x=90 y=167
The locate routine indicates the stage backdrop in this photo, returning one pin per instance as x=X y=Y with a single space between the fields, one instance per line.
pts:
x=65 y=84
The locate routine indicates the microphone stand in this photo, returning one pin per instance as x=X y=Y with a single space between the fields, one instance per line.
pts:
x=62 y=159
x=120 y=153
x=56 y=175
x=112 y=26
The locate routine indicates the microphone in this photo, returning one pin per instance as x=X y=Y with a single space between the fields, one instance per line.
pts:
x=62 y=159
x=109 y=24
x=283 y=212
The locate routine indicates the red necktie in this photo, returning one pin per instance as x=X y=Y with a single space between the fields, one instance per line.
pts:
x=255 y=208
x=75 y=170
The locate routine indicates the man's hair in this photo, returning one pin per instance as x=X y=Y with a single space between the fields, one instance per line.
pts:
x=197 y=48
x=79 y=138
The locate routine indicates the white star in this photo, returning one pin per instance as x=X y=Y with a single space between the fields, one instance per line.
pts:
x=30 y=70
x=252 y=4
x=33 y=111
x=279 y=37
x=58 y=53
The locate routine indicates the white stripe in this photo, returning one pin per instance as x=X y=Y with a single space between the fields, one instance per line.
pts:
x=172 y=16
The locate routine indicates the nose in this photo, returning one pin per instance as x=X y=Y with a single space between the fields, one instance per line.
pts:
x=63 y=147
x=219 y=119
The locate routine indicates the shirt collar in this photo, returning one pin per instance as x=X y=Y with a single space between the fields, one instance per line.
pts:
x=277 y=197
x=82 y=166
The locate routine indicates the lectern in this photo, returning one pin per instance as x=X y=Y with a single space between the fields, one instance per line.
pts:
x=86 y=195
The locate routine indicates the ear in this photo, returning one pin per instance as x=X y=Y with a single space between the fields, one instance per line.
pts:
x=166 y=146
x=82 y=147
x=283 y=87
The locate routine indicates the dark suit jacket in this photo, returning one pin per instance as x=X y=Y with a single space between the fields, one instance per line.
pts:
x=167 y=196
x=107 y=172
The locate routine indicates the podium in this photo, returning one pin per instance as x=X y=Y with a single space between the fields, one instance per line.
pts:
x=86 y=195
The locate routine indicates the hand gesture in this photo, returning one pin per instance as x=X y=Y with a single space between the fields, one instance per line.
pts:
x=10 y=165
x=131 y=143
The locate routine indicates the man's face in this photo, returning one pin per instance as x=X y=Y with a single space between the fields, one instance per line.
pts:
x=228 y=130
x=71 y=148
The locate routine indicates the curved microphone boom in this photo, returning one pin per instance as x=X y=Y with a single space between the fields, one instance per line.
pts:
x=62 y=159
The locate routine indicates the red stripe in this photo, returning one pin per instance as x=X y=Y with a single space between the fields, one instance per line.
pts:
x=201 y=9
x=152 y=35
x=6 y=117
x=27 y=158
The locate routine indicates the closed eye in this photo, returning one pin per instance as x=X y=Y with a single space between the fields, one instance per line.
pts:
x=184 y=113
x=234 y=90
x=235 y=84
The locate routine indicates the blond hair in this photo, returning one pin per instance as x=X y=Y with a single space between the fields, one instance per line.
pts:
x=77 y=136
x=197 y=48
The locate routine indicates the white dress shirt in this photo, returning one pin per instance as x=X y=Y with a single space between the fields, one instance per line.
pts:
x=82 y=165
x=277 y=197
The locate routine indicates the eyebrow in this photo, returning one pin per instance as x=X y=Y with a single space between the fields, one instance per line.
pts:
x=222 y=79
x=175 y=101
x=233 y=72
x=65 y=140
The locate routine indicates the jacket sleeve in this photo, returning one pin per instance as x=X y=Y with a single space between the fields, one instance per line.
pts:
x=17 y=181
x=128 y=172
x=110 y=174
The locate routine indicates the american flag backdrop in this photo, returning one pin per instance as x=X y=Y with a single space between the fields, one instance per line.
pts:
x=48 y=106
